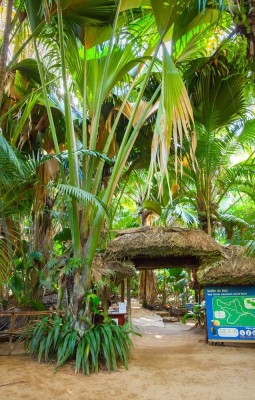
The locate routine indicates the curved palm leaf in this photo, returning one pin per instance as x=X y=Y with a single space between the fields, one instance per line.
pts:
x=91 y=12
x=247 y=135
x=15 y=168
x=233 y=220
x=95 y=15
x=82 y=196
x=250 y=247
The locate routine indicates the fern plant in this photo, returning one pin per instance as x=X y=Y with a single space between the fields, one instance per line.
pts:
x=92 y=347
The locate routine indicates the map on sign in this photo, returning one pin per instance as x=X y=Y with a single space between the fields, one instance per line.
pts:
x=230 y=313
x=234 y=310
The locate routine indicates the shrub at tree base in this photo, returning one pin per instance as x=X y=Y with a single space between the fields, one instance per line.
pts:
x=60 y=339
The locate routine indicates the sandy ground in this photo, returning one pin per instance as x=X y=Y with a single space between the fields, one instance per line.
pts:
x=167 y=363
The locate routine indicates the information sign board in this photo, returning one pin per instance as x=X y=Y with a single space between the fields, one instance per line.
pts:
x=230 y=313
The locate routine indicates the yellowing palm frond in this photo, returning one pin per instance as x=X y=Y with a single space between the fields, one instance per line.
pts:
x=128 y=110
x=175 y=115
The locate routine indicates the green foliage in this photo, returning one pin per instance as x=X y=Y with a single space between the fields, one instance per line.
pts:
x=237 y=225
x=197 y=313
x=94 y=300
x=180 y=212
x=90 y=347
x=15 y=283
x=98 y=81
x=134 y=285
x=16 y=170
x=82 y=196
x=250 y=247
x=63 y=235
x=66 y=265
x=173 y=283
x=20 y=281
x=152 y=206
x=4 y=303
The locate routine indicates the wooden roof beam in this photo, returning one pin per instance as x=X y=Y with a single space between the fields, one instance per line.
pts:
x=165 y=262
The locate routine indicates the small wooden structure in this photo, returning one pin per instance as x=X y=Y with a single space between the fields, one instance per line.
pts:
x=116 y=270
x=158 y=247
x=13 y=331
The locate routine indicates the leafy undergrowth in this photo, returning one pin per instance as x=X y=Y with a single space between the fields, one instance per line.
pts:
x=57 y=338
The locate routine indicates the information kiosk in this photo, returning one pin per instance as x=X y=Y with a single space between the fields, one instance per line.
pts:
x=230 y=313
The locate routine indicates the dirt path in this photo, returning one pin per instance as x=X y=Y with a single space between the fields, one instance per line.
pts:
x=167 y=363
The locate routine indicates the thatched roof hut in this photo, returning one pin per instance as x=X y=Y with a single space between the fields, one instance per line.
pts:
x=115 y=270
x=157 y=247
x=234 y=269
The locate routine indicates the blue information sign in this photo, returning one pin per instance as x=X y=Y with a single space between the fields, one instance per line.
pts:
x=230 y=313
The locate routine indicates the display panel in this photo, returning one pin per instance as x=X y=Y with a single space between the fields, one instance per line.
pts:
x=230 y=313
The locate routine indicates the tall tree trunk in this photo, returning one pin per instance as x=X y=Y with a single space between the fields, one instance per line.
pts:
x=5 y=47
x=148 y=281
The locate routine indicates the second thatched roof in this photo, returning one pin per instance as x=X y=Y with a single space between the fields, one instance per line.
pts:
x=115 y=270
x=157 y=247
x=234 y=269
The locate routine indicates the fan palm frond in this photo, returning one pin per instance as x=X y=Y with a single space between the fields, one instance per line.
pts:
x=174 y=117
x=215 y=93
x=180 y=213
x=122 y=59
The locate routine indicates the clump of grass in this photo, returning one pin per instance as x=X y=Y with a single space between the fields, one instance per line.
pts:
x=58 y=338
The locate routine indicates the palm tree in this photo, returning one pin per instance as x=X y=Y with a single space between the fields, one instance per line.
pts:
x=104 y=63
x=218 y=102
x=18 y=177
x=120 y=68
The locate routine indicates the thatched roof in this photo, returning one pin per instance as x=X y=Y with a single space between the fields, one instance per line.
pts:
x=115 y=270
x=234 y=269
x=156 y=247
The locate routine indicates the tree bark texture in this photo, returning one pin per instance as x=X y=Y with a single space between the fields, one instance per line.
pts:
x=243 y=13
x=5 y=47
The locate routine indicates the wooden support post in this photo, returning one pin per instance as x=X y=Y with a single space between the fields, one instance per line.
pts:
x=128 y=301
x=11 y=333
x=164 y=290
x=1 y=292
x=104 y=300
x=122 y=291
x=205 y=328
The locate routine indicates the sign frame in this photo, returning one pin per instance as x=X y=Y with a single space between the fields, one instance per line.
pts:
x=230 y=311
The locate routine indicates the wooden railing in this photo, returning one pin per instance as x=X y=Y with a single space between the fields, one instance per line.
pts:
x=13 y=331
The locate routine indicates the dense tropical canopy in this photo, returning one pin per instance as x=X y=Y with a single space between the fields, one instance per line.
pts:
x=117 y=113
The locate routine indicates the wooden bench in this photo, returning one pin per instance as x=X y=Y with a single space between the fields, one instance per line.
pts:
x=12 y=331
